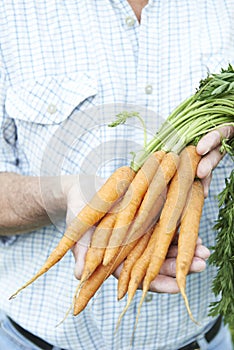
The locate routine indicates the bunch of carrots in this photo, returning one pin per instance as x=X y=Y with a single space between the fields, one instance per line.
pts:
x=141 y=207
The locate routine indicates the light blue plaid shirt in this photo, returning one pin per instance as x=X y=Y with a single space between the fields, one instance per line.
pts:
x=66 y=68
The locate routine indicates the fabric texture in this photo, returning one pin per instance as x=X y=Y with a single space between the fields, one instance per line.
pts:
x=66 y=69
x=11 y=339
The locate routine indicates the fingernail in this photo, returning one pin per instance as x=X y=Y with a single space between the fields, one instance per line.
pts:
x=201 y=150
x=200 y=266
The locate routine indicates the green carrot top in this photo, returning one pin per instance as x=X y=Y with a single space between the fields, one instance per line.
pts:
x=209 y=107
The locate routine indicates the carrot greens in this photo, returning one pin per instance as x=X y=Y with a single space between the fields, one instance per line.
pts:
x=223 y=252
x=209 y=107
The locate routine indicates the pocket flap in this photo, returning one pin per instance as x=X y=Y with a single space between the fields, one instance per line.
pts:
x=50 y=99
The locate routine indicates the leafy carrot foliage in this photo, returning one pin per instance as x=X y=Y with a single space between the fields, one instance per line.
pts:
x=223 y=252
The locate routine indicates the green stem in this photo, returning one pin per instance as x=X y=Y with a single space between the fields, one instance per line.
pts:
x=176 y=137
x=211 y=106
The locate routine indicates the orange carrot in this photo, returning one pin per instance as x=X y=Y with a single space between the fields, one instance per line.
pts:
x=131 y=202
x=89 y=287
x=116 y=185
x=164 y=174
x=103 y=200
x=99 y=241
x=157 y=187
x=93 y=283
x=188 y=235
x=171 y=213
x=134 y=255
x=138 y=272
x=148 y=225
x=57 y=254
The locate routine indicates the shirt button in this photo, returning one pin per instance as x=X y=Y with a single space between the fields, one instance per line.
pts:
x=148 y=297
x=52 y=109
x=130 y=21
x=148 y=89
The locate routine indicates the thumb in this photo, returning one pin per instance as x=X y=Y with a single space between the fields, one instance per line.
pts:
x=79 y=251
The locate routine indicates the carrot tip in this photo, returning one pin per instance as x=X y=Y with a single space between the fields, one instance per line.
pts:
x=182 y=291
x=65 y=316
x=123 y=313
x=26 y=284
x=109 y=255
x=13 y=296
x=121 y=294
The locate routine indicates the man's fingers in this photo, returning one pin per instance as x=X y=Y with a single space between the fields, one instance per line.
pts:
x=164 y=284
x=209 y=148
x=169 y=267
x=173 y=249
x=206 y=166
x=79 y=251
x=116 y=273
x=213 y=139
x=208 y=163
x=208 y=142
x=206 y=184
x=202 y=252
x=198 y=263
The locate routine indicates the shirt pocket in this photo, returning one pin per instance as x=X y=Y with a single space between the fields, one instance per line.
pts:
x=43 y=111
x=49 y=99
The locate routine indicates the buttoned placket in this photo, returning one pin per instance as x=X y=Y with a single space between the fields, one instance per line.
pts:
x=145 y=81
x=145 y=72
x=130 y=27
x=52 y=108
x=136 y=30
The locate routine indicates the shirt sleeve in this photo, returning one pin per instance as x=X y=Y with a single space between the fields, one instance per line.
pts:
x=9 y=160
x=8 y=151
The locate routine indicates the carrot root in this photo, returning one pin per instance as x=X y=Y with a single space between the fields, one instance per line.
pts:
x=137 y=273
x=123 y=313
x=115 y=186
x=92 y=284
x=57 y=254
x=164 y=174
x=167 y=225
x=183 y=293
x=188 y=235
x=131 y=202
x=124 y=276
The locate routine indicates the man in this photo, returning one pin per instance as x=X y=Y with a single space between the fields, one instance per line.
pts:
x=61 y=61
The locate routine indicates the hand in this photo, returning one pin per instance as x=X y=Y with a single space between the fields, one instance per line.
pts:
x=79 y=251
x=79 y=192
x=79 y=189
x=165 y=282
x=209 y=148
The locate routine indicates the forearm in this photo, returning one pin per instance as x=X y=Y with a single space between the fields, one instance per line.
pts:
x=29 y=202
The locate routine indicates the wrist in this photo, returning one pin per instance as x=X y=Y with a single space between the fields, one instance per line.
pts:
x=54 y=194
